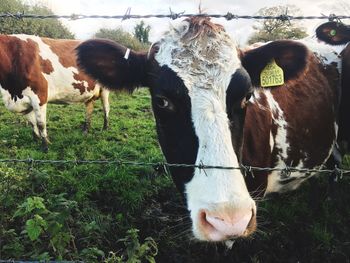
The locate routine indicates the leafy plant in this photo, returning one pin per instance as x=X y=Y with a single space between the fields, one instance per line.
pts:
x=35 y=227
x=135 y=252
x=42 y=223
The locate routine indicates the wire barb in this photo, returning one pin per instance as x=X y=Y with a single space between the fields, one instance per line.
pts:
x=229 y=16
x=334 y=17
x=127 y=14
x=338 y=174
x=173 y=15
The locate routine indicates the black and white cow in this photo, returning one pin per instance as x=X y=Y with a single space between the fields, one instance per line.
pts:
x=210 y=109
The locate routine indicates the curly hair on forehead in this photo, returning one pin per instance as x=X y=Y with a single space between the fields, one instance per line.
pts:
x=199 y=25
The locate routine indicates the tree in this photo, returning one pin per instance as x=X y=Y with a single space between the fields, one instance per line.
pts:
x=122 y=37
x=141 y=32
x=273 y=29
x=42 y=27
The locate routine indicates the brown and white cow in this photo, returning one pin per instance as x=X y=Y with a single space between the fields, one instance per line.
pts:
x=335 y=33
x=35 y=71
x=210 y=109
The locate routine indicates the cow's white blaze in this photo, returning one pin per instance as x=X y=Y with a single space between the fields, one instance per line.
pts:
x=206 y=65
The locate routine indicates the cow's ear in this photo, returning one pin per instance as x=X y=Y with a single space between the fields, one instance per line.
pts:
x=112 y=64
x=289 y=55
x=333 y=33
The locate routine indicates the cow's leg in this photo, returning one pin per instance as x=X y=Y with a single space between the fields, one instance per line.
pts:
x=106 y=107
x=89 y=109
x=32 y=119
x=40 y=115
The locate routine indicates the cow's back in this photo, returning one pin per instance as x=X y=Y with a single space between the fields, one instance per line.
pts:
x=292 y=125
x=66 y=83
x=46 y=66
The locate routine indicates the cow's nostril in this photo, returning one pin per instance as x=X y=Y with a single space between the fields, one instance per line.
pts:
x=225 y=225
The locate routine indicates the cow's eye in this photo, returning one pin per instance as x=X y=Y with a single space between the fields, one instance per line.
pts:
x=164 y=103
x=249 y=95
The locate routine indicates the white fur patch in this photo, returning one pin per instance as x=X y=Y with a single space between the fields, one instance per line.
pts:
x=272 y=142
x=206 y=65
x=278 y=118
x=20 y=105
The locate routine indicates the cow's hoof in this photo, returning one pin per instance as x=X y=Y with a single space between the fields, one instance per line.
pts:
x=45 y=148
x=45 y=145
x=85 y=128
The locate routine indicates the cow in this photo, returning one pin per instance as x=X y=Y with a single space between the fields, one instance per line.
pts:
x=210 y=110
x=335 y=33
x=36 y=70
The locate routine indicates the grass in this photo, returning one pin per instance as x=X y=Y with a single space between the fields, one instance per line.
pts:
x=90 y=212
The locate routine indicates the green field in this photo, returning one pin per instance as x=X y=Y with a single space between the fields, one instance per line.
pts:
x=121 y=213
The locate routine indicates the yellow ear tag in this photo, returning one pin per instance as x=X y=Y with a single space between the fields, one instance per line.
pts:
x=271 y=75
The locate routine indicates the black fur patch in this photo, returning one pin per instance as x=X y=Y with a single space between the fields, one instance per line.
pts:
x=104 y=61
x=175 y=130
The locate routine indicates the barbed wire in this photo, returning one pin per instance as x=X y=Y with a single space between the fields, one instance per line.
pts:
x=286 y=170
x=172 y=15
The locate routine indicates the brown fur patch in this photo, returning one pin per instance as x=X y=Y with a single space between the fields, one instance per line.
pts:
x=80 y=86
x=201 y=26
x=64 y=49
x=256 y=148
x=20 y=67
x=46 y=66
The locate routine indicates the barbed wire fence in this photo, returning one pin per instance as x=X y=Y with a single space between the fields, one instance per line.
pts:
x=157 y=166
x=172 y=15
x=163 y=166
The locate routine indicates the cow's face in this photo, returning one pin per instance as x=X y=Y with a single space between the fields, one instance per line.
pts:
x=196 y=99
x=198 y=88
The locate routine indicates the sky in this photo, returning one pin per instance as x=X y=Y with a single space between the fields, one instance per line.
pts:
x=239 y=29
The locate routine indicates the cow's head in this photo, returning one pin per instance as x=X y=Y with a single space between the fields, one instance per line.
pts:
x=199 y=90
x=333 y=33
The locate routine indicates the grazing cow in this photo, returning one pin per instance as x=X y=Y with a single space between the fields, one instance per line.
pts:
x=210 y=109
x=339 y=34
x=35 y=71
